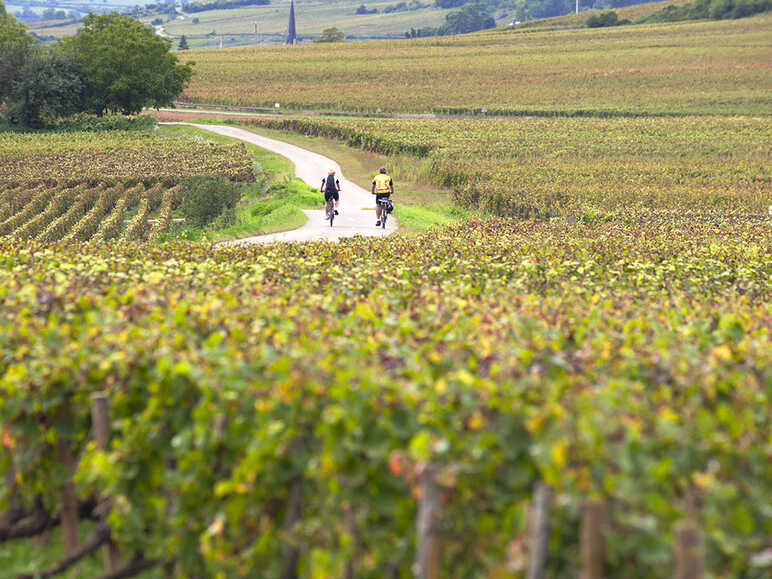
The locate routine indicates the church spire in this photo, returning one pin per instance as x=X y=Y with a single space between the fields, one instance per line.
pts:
x=291 y=34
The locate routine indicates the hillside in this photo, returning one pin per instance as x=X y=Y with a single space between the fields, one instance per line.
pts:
x=238 y=25
x=577 y=20
x=660 y=69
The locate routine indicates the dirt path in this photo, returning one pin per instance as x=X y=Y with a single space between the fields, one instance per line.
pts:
x=357 y=205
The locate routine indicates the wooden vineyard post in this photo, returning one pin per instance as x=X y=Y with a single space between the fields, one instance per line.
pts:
x=292 y=516
x=100 y=418
x=592 y=540
x=689 y=563
x=10 y=482
x=539 y=527
x=427 y=564
x=69 y=508
x=350 y=568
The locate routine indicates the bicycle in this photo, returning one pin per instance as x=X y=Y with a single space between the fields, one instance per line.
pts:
x=330 y=210
x=384 y=203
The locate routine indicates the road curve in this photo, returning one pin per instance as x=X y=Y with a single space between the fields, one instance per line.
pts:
x=357 y=213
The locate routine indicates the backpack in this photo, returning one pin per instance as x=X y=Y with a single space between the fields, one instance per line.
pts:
x=330 y=187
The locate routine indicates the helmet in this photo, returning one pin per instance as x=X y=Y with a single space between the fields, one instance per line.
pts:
x=382 y=170
x=331 y=172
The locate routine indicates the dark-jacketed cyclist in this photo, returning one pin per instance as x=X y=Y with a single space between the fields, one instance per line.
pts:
x=331 y=188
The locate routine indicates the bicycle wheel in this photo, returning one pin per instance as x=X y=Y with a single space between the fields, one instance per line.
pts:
x=330 y=211
x=383 y=216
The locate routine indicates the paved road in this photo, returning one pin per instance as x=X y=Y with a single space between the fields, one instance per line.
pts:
x=357 y=205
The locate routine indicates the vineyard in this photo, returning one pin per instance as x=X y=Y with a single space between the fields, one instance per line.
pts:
x=580 y=385
x=115 y=156
x=123 y=186
x=274 y=406
x=677 y=167
x=667 y=70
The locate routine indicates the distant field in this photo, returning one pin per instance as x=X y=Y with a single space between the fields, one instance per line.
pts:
x=311 y=17
x=57 y=29
x=237 y=26
x=647 y=69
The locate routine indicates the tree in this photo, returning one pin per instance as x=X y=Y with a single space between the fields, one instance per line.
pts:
x=127 y=65
x=49 y=86
x=183 y=43
x=330 y=35
x=15 y=45
x=521 y=11
x=606 y=18
x=469 y=19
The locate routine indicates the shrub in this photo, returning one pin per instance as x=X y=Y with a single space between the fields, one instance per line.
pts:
x=606 y=18
x=205 y=198
x=330 y=35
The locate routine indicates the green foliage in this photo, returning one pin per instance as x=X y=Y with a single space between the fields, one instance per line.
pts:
x=330 y=35
x=404 y=7
x=183 y=43
x=15 y=45
x=420 y=217
x=470 y=18
x=277 y=209
x=365 y=10
x=712 y=9
x=605 y=18
x=630 y=364
x=127 y=65
x=205 y=198
x=49 y=86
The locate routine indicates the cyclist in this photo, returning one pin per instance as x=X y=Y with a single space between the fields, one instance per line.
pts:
x=331 y=187
x=383 y=188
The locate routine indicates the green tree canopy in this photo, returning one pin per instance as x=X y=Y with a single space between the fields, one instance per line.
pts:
x=49 y=86
x=330 y=35
x=15 y=44
x=127 y=65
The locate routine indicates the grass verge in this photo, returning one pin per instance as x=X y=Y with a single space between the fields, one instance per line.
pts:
x=274 y=203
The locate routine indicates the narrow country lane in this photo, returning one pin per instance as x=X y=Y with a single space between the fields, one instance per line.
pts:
x=357 y=205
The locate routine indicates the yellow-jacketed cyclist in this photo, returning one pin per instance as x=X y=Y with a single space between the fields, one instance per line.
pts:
x=383 y=188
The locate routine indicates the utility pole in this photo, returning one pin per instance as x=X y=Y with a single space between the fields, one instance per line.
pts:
x=577 y=6
x=257 y=34
x=220 y=40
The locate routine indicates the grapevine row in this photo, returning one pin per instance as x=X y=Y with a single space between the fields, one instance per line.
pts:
x=594 y=168
x=83 y=212
x=625 y=363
